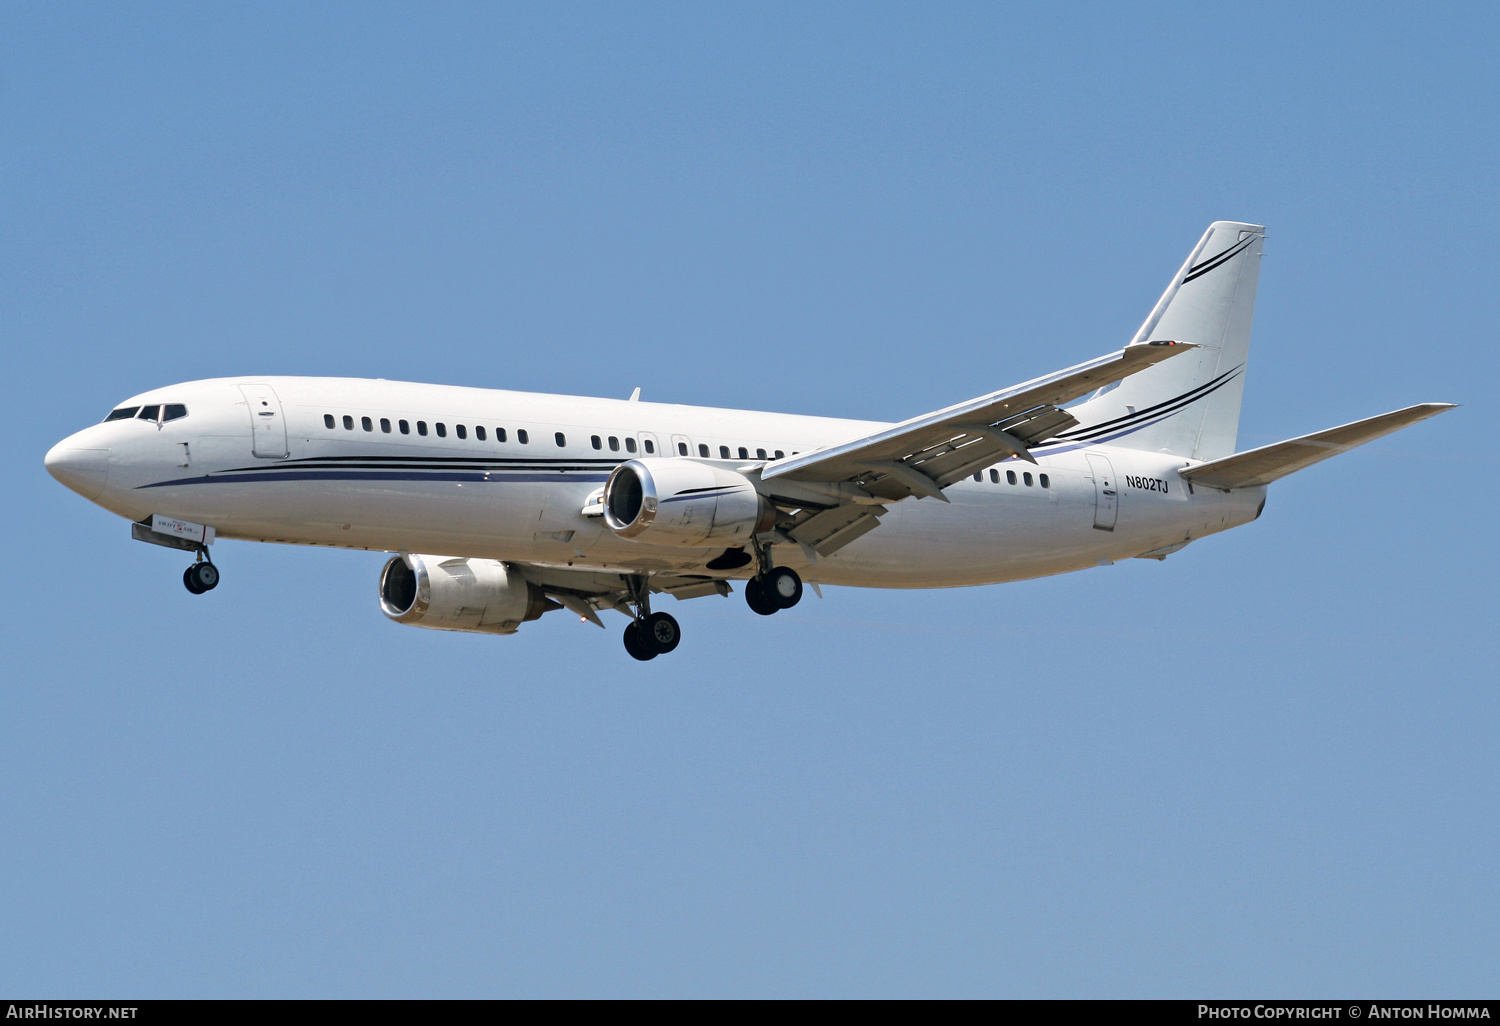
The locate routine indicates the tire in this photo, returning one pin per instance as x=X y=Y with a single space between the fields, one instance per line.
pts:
x=661 y=632
x=636 y=644
x=784 y=587
x=207 y=575
x=190 y=580
x=757 y=599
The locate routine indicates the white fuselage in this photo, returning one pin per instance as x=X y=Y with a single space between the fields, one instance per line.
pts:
x=372 y=488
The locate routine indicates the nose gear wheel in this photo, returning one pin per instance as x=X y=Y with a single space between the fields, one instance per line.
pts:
x=200 y=577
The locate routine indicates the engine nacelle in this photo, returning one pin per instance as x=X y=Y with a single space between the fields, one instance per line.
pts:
x=449 y=593
x=684 y=502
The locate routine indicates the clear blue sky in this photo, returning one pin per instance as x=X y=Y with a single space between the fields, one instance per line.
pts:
x=1266 y=766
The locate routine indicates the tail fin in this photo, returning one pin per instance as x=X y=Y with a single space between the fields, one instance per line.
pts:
x=1190 y=405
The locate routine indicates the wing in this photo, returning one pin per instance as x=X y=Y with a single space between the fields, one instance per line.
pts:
x=924 y=455
x=1269 y=462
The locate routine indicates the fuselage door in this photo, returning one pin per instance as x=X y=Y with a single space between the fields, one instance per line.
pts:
x=1106 y=492
x=267 y=425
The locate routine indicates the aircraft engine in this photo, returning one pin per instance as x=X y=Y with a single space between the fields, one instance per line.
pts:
x=448 y=593
x=684 y=502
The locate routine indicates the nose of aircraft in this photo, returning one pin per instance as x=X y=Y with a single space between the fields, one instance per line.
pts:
x=82 y=468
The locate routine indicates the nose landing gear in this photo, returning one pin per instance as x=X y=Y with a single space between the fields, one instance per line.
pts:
x=201 y=576
x=179 y=534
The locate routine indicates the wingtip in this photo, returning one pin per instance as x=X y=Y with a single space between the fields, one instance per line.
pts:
x=1156 y=350
x=1164 y=343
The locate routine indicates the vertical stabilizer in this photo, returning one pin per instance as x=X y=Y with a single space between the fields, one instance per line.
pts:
x=1189 y=405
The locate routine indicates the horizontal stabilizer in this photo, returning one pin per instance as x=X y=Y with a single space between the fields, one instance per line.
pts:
x=1269 y=462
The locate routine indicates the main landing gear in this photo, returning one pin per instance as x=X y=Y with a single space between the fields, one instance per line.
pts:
x=656 y=635
x=652 y=634
x=201 y=576
x=649 y=634
x=779 y=588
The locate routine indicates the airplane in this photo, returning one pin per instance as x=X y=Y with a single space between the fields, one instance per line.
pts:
x=499 y=506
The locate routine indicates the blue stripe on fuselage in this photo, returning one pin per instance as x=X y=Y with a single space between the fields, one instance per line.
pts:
x=295 y=474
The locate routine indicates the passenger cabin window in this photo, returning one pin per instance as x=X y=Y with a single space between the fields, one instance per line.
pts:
x=682 y=448
x=522 y=437
x=978 y=475
x=328 y=420
x=460 y=431
x=1027 y=478
x=702 y=450
x=744 y=453
x=404 y=426
x=994 y=477
x=499 y=434
x=479 y=432
x=561 y=439
x=126 y=412
x=1044 y=481
x=385 y=425
x=596 y=442
x=422 y=428
x=614 y=444
x=760 y=454
x=149 y=413
x=1010 y=476
x=780 y=455
x=442 y=429
x=348 y=423
x=367 y=423
x=723 y=452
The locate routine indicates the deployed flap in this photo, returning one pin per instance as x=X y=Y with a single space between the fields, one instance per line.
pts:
x=830 y=530
x=926 y=454
x=587 y=592
x=1266 y=464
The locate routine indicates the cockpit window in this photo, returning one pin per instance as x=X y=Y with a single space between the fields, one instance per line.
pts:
x=174 y=411
x=123 y=413
x=149 y=413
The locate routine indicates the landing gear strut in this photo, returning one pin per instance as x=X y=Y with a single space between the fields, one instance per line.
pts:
x=201 y=576
x=778 y=588
x=649 y=634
